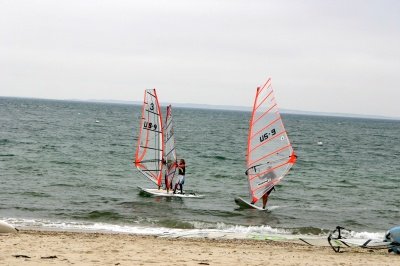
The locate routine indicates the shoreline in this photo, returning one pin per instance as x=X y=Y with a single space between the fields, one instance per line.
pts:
x=34 y=247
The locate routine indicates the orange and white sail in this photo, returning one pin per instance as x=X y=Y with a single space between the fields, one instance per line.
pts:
x=269 y=152
x=150 y=145
x=170 y=151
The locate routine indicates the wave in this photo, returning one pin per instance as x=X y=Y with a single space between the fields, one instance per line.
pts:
x=196 y=229
x=36 y=194
x=100 y=215
x=221 y=176
x=345 y=184
x=352 y=223
x=171 y=223
x=309 y=231
x=49 y=147
x=216 y=157
x=66 y=162
x=61 y=185
x=4 y=141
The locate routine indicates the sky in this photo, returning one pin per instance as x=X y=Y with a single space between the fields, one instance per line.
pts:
x=323 y=56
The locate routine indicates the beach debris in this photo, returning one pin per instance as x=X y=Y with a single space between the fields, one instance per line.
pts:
x=21 y=256
x=49 y=257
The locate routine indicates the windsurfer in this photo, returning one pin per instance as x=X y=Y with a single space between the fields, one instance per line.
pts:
x=181 y=175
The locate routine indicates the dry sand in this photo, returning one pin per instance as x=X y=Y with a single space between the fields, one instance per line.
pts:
x=71 y=248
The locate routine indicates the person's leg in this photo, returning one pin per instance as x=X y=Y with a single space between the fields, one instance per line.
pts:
x=265 y=200
x=182 y=182
x=177 y=183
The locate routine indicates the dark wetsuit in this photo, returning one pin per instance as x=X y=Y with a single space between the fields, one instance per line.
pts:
x=181 y=171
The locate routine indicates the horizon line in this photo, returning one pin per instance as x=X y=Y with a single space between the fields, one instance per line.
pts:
x=218 y=107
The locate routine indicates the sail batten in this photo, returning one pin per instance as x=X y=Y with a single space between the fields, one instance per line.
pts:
x=150 y=148
x=270 y=170
x=151 y=94
x=269 y=152
x=267 y=126
x=150 y=111
x=170 y=152
x=264 y=100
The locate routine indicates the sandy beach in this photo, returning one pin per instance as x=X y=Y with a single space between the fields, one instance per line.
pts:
x=73 y=248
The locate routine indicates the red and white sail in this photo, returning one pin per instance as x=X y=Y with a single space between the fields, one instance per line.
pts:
x=170 y=151
x=150 y=146
x=269 y=152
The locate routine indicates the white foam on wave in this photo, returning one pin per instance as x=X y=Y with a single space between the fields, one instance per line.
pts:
x=368 y=235
x=201 y=230
x=265 y=229
x=262 y=229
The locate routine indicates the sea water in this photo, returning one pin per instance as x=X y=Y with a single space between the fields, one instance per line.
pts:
x=68 y=165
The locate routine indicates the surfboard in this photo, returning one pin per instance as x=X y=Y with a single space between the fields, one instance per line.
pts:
x=247 y=205
x=269 y=155
x=6 y=228
x=164 y=193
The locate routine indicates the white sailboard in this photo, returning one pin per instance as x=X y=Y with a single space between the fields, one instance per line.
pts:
x=242 y=203
x=164 y=193
x=269 y=153
x=150 y=145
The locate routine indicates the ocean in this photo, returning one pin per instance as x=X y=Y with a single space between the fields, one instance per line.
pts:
x=67 y=165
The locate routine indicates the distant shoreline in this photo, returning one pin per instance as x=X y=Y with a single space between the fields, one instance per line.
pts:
x=214 y=107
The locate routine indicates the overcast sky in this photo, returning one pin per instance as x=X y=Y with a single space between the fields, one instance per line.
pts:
x=323 y=56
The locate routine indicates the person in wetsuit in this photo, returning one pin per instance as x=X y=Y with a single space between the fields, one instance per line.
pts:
x=181 y=175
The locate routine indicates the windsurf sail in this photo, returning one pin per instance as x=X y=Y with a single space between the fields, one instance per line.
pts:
x=269 y=152
x=150 y=146
x=170 y=152
x=341 y=238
